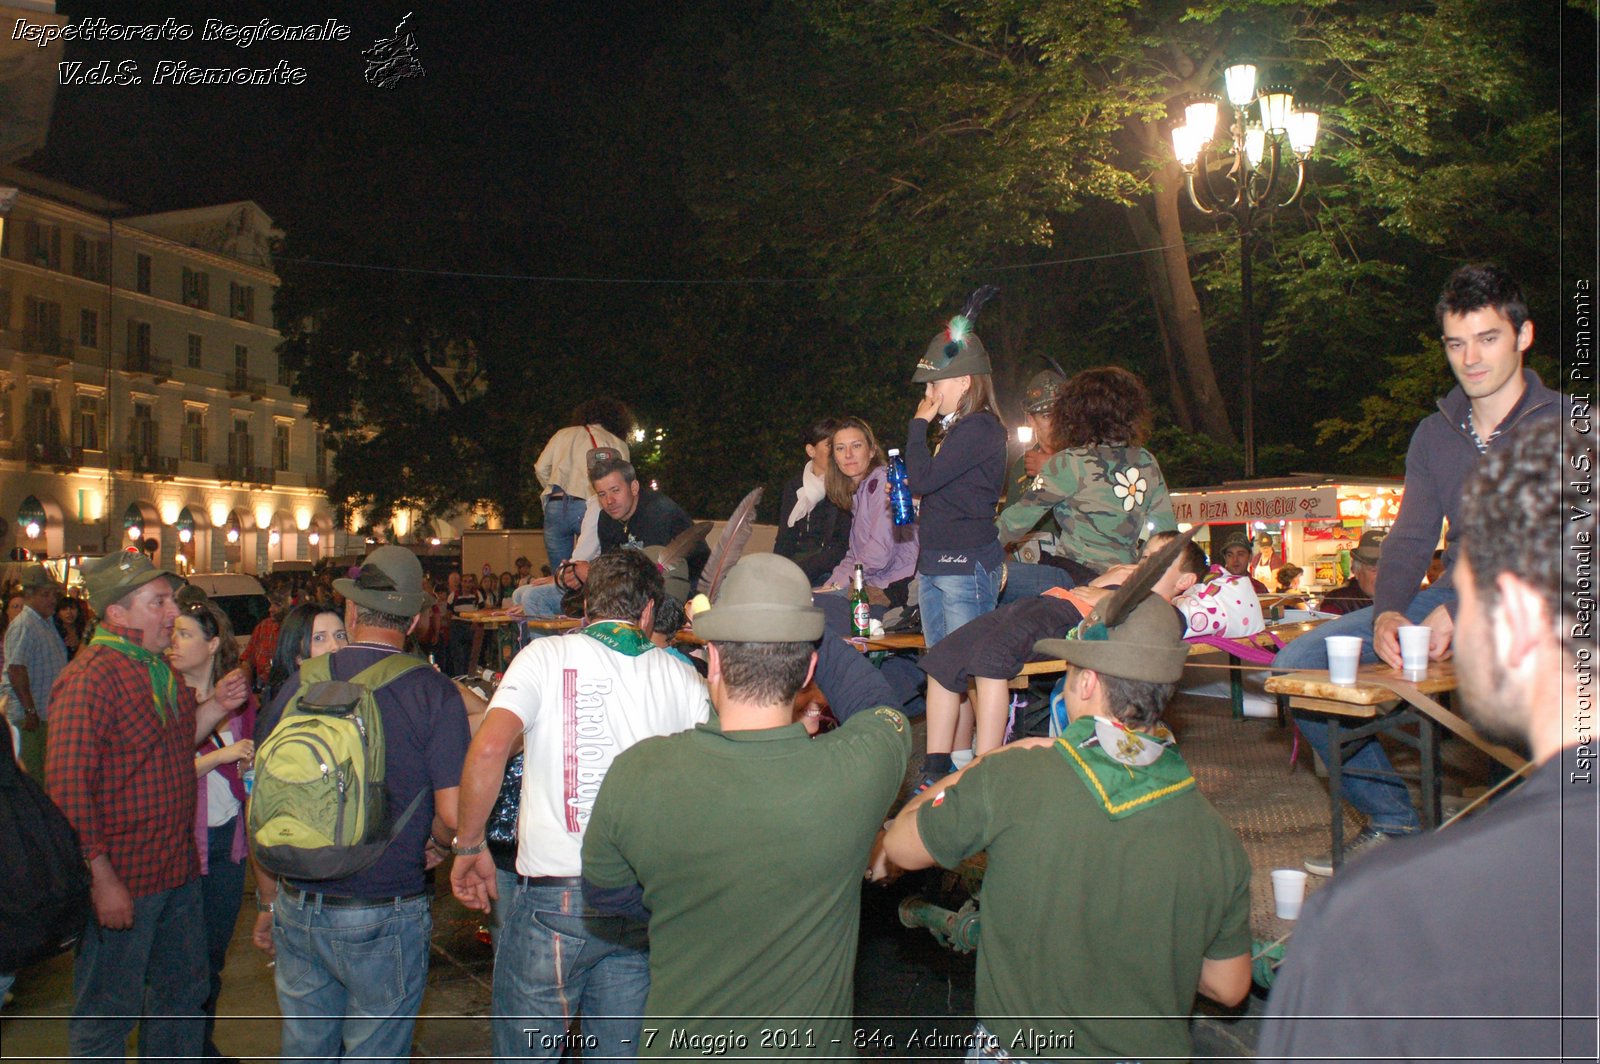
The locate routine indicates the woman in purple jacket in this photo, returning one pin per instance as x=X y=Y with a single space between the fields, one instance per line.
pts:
x=857 y=484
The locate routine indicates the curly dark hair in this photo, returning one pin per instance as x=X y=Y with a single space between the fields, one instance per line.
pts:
x=1101 y=406
x=1480 y=285
x=610 y=414
x=1514 y=519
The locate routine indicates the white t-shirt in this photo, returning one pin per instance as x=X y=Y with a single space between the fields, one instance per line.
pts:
x=581 y=704
x=221 y=805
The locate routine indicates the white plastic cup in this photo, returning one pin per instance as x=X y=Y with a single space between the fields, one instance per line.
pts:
x=1344 y=655
x=1414 y=639
x=1289 y=889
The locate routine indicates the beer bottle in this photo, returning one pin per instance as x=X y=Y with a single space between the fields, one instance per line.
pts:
x=860 y=611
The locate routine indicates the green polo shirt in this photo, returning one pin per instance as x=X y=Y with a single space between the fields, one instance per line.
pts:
x=751 y=847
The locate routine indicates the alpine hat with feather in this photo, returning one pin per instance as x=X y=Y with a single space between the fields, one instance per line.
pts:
x=766 y=598
x=955 y=350
x=1131 y=634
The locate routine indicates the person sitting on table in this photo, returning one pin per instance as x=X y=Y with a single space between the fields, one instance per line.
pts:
x=991 y=649
x=813 y=530
x=1485 y=331
x=1104 y=490
x=886 y=552
x=1356 y=593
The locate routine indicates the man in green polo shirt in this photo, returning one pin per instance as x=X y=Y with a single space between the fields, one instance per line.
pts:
x=743 y=841
x=1114 y=890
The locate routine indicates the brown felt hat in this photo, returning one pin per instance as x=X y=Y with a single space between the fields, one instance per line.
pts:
x=111 y=578
x=766 y=598
x=389 y=581
x=35 y=577
x=1370 y=549
x=1148 y=645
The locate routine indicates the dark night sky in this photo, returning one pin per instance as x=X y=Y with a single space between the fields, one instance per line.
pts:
x=496 y=142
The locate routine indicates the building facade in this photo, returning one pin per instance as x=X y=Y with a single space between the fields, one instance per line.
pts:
x=141 y=396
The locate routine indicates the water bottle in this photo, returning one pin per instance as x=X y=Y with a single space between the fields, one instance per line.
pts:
x=899 y=490
x=248 y=778
x=860 y=609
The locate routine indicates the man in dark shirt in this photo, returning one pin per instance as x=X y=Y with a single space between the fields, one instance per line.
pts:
x=632 y=515
x=1357 y=594
x=352 y=953
x=1478 y=943
x=1484 y=326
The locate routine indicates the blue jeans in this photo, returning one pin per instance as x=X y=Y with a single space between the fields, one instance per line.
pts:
x=154 y=970
x=221 y=893
x=1383 y=799
x=554 y=963
x=563 y=521
x=950 y=600
x=1028 y=580
x=350 y=980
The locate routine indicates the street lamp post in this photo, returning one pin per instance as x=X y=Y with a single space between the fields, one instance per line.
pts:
x=1253 y=185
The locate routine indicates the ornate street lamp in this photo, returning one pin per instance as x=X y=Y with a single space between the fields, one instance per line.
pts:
x=1257 y=183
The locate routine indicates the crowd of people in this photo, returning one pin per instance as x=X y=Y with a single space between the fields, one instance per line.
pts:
x=671 y=846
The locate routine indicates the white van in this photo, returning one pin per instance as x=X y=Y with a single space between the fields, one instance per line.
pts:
x=241 y=597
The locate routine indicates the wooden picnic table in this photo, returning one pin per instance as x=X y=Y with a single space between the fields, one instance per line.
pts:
x=1384 y=699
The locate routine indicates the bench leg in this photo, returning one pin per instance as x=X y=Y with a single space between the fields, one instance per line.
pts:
x=1236 y=688
x=1336 y=789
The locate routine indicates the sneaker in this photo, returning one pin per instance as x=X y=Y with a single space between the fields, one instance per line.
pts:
x=1365 y=842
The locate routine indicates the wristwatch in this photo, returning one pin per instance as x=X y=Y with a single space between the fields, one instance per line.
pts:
x=264 y=906
x=467 y=851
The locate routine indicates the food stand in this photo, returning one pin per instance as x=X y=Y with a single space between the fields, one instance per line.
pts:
x=1314 y=520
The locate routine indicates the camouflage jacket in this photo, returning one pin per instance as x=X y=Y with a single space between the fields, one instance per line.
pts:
x=1105 y=500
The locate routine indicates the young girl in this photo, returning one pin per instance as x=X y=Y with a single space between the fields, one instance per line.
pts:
x=961 y=481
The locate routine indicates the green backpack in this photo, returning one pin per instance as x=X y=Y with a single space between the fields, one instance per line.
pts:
x=319 y=808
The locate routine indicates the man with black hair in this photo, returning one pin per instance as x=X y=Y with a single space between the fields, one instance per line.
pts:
x=352 y=953
x=575 y=703
x=1478 y=943
x=743 y=841
x=1113 y=891
x=1484 y=326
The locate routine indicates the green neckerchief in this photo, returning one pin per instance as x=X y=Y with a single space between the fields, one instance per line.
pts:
x=1119 y=788
x=163 y=684
x=621 y=636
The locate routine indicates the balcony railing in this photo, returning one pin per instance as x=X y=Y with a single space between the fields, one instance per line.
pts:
x=41 y=343
x=240 y=383
x=143 y=362
x=249 y=474
x=148 y=462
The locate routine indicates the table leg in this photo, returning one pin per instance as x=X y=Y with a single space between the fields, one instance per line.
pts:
x=1428 y=743
x=475 y=659
x=1236 y=687
x=1336 y=789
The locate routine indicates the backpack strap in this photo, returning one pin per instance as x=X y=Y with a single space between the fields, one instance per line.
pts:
x=316 y=670
x=385 y=670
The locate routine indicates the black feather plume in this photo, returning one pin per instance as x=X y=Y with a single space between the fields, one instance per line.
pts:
x=976 y=301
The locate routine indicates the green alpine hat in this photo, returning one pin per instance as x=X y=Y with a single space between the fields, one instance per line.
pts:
x=1148 y=645
x=111 y=578
x=35 y=577
x=1040 y=395
x=956 y=351
x=389 y=581
x=765 y=598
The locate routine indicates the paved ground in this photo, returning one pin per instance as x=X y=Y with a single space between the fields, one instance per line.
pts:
x=905 y=982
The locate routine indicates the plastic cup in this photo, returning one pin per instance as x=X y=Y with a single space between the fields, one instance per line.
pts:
x=1344 y=655
x=1288 y=891
x=1414 y=639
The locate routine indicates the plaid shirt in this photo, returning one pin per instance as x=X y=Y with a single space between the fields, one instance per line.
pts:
x=124 y=780
x=33 y=643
